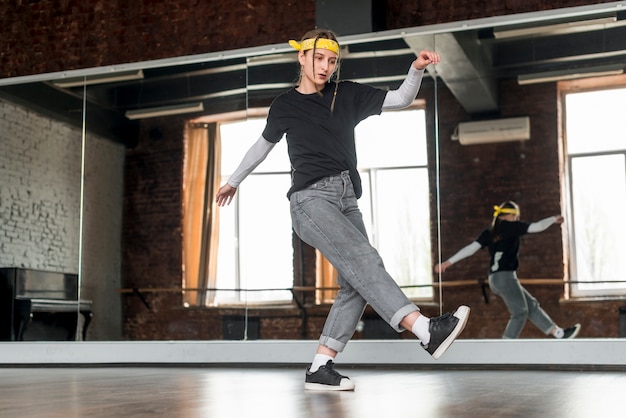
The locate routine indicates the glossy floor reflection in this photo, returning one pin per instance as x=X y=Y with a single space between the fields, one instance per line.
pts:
x=278 y=392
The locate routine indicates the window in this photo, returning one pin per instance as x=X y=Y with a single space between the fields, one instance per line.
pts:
x=255 y=240
x=394 y=164
x=595 y=143
x=255 y=247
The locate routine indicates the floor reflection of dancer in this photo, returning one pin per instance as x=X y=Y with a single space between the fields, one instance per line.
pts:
x=318 y=118
x=503 y=242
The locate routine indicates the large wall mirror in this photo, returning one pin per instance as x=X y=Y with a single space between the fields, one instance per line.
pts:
x=495 y=73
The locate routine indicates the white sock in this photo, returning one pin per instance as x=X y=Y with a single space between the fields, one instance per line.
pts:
x=558 y=332
x=420 y=329
x=319 y=360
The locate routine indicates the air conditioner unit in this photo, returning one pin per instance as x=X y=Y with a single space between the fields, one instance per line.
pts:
x=492 y=131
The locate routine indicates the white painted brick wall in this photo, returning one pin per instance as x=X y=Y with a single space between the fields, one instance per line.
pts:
x=40 y=192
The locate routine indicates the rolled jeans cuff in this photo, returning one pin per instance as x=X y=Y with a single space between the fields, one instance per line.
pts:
x=399 y=316
x=331 y=343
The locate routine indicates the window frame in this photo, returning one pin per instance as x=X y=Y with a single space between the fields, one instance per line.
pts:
x=242 y=298
x=326 y=275
x=565 y=88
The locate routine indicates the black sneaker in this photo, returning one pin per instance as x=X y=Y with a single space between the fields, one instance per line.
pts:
x=327 y=378
x=571 y=332
x=444 y=329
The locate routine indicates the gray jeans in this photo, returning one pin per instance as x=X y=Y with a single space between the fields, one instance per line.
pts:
x=521 y=304
x=326 y=216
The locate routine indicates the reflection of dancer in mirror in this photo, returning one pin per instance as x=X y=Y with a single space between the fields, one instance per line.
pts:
x=318 y=118
x=503 y=242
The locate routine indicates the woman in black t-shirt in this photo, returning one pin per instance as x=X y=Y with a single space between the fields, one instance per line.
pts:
x=317 y=119
x=503 y=242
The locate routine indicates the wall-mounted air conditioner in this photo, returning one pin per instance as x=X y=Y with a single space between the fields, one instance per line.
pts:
x=492 y=131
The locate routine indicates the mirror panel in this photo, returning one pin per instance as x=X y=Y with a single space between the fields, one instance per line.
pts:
x=40 y=203
x=486 y=74
x=496 y=83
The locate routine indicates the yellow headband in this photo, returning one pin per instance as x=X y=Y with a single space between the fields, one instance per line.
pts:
x=498 y=210
x=321 y=43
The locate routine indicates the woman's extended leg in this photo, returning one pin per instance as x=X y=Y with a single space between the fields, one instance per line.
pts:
x=326 y=216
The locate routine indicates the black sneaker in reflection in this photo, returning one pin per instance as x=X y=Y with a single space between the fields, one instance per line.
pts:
x=571 y=332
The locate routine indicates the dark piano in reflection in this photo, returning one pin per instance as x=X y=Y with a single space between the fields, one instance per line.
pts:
x=41 y=306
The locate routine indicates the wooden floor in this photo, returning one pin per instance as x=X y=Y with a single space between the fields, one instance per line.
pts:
x=278 y=392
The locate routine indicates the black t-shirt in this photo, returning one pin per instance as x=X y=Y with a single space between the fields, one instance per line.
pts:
x=504 y=253
x=320 y=142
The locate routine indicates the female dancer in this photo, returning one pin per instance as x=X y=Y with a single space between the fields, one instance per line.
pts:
x=318 y=119
x=503 y=241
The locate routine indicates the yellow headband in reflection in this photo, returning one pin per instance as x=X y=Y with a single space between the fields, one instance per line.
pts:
x=497 y=211
x=322 y=43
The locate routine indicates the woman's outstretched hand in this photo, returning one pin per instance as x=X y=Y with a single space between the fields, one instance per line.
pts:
x=425 y=58
x=225 y=195
x=440 y=268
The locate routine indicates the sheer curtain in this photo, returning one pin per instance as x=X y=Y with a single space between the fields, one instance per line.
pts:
x=200 y=215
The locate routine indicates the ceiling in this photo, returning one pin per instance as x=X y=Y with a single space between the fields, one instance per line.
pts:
x=473 y=62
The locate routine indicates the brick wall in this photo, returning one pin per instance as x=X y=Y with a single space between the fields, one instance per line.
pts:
x=57 y=35
x=401 y=14
x=40 y=191
x=476 y=177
